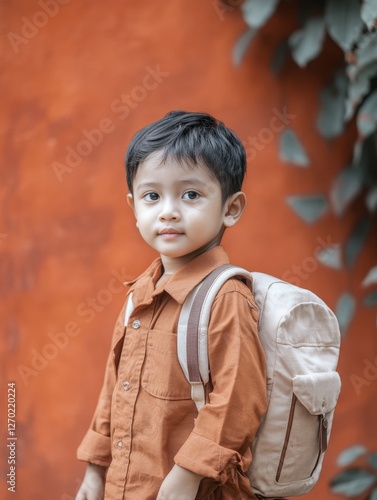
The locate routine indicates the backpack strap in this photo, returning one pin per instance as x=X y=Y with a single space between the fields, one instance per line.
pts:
x=192 y=343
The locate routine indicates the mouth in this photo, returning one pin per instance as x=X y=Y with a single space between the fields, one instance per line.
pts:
x=170 y=233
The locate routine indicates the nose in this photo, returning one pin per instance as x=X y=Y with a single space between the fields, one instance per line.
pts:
x=169 y=211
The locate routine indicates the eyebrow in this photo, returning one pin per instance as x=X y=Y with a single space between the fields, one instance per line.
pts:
x=190 y=181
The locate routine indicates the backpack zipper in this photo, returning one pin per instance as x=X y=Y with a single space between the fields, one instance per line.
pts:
x=322 y=437
x=287 y=436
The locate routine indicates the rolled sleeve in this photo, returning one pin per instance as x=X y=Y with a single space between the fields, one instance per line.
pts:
x=227 y=423
x=96 y=444
x=95 y=448
x=209 y=459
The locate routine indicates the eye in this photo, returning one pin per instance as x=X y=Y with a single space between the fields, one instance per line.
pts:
x=151 y=197
x=191 y=195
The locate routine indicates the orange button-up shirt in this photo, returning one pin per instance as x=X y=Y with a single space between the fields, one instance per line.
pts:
x=146 y=421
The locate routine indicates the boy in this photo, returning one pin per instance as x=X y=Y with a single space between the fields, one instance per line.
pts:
x=147 y=440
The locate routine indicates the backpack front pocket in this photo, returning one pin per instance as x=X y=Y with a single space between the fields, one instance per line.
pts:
x=314 y=397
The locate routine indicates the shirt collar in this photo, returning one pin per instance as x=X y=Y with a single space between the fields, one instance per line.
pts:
x=182 y=281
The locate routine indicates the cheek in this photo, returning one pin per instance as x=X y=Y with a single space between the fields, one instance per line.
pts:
x=145 y=222
x=142 y=216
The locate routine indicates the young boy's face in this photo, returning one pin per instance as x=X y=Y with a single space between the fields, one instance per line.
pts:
x=179 y=209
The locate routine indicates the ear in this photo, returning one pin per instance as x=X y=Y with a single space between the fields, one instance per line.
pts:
x=131 y=204
x=234 y=207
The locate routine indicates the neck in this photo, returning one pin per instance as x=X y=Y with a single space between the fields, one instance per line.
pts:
x=164 y=277
x=172 y=264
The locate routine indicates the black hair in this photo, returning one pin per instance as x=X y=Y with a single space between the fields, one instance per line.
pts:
x=191 y=138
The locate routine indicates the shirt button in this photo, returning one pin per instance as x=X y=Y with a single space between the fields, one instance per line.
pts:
x=136 y=324
x=126 y=385
x=120 y=444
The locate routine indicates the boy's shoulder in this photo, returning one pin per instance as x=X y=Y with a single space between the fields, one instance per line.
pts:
x=238 y=288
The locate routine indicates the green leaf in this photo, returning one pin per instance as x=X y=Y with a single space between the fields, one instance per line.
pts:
x=367 y=116
x=372 y=460
x=371 y=199
x=307 y=43
x=331 y=256
x=350 y=455
x=330 y=122
x=358 y=88
x=373 y=495
x=366 y=161
x=352 y=70
x=369 y=13
x=241 y=46
x=356 y=91
x=357 y=151
x=257 y=12
x=371 y=277
x=366 y=53
x=343 y=22
x=309 y=208
x=279 y=57
x=352 y=482
x=371 y=299
x=291 y=150
x=346 y=187
x=356 y=240
x=345 y=309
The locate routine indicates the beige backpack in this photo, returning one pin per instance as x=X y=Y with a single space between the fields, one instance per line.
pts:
x=301 y=339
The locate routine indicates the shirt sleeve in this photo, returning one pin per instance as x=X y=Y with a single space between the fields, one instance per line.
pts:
x=227 y=423
x=96 y=444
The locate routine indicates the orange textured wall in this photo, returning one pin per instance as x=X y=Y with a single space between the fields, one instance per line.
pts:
x=67 y=237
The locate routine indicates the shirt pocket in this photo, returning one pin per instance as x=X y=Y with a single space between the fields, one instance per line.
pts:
x=162 y=375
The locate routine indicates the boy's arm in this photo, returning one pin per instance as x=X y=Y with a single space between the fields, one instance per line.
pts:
x=96 y=444
x=93 y=485
x=181 y=481
x=227 y=424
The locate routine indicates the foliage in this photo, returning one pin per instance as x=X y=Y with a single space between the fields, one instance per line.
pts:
x=350 y=96
x=359 y=476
